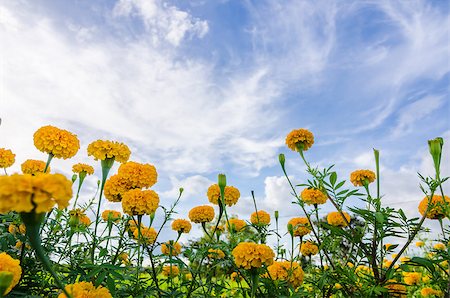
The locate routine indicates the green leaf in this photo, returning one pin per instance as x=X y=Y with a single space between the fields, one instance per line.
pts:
x=380 y=217
x=340 y=184
x=424 y=263
x=333 y=178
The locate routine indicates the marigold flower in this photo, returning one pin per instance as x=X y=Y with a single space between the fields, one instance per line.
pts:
x=362 y=177
x=82 y=167
x=140 y=202
x=260 y=218
x=171 y=271
x=33 y=167
x=231 y=194
x=395 y=289
x=24 y=193
x=235 y=276
x=138 y=175
x=405 y=259
x=20 y=243
x=438 y=207
x=123 y=257
x=313 y=196
x=336 y=219
x=439 y=246
x=412 y=278
x=58 y=142
x=428 y=292
x=148 y=235
x=115 y=187
x=236 y=224
x=300 y=137
x=7 y=158
x=86 y=290
x=201 y=214
x=309 y=248
x=108 y=149
x=285 y=270
x=132 y=225
x=8 y=264
x=216 y=254
x=111 y=215
x=249 y=255
x=171 y=248
x=300 y=226
x=13 y=229
x=78 y=218
x=181 y=226
x=420 y=243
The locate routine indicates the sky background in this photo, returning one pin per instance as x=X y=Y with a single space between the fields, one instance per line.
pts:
x=202 y=87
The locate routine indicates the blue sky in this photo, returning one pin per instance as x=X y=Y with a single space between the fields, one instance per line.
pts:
x=202 y=87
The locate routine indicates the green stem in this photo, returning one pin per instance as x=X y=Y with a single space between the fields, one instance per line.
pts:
x=80 y=182
x=255 y=280
x=49 y=159
x=138 y=265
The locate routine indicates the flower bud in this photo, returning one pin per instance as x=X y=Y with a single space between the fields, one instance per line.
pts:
x=435 y=147
x=74 y=178
x=222 y=180
x=290 y=229
x=282 y=159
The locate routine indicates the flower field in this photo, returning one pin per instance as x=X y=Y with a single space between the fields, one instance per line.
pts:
x=53 y=245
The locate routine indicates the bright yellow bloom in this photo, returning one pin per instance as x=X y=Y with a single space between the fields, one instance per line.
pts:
x=123 y=257
x=236 y=224
x=188 y=276
x=309 y=248
x=59 y=142
x=108 y=149
x=13 y=229
x=86 y=290
x=138 y=175
x=428 y=292
x=405 y=259
x=285 y=270
x=201 y=214
x=148 y=235
x=181 y=226
x=33 y=167
x=300 y=137
x=132 y=225
x=396 y=289
x=216 y=254
x=172 y=271
x=24 y=193
x=7 y=158
x=439 y=246
x=337 y=286
x=412 y=278
x=420 y=243
x=438 y=207
x=111 y=215
x=171 y=248
x=20 y=243
x=300 y=226
x=82 y=167
x=115 y=187
x=8 y=264
x=362 y=177
x=336 y=219
x=78 y=218
x=231 y=194
x=249 y=255
x=261 y=218
x=313 y=196
x=140 y=202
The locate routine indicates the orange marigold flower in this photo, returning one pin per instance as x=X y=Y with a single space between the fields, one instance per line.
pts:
x=231 y=194
x=420 y=243
x=132 y=225
x=82 y=167
x=108 y=149
x=13 y=229
x=412 y=278
x=300 y=226
x=171 y=271
x=336 y=219
x=396 y=289
x=138 y=175
x=181 y=226
x=115 y=187
x=313 y=196
x=362 y=177
x=111 y=215
x=7 y=158
x=148 y=235
x=439 y=246
x=287 y=271
x=302 y=138
x=24 y=193
x=249 y=255
x=171 y=248
x=201 y=214
x=236 y=224
x=439 y=207
x=33 y=167
x=58 y=142
x=216 y=254
x=10 y=266
x=140 y=202
x=428 y=292
x=86 y=290
x=260 y=218
x=309 y=248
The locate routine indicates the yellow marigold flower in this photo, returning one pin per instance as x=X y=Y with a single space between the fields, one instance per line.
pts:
x=132 y=225
x=439 y=246
x=437 y=207
x=171 y=248
x=362 y=177
x=300 y=137
x=412 y=278
x=405 y=259
x=111 y=215
x=86 y=290
x=395 y=289
x=249 y=255
x=337 y=286
x=138 y=175
x=363 y=269
x=201 y=214
x=115 y=187
x=172 y=271
x=108 y=149
x=13 y=229
x=24 y=193
x=8 y=264
x=428 y=292
x=236 y=224
x=140 y=202
x=350 y=264
x=309 y=248
x=181 y=226
x=33 y=167
x=58 y=142
x=78 y=218
x=216 y=254
x=336 y=219
x=261 y=218
x=148 y=235
x=231 y=194
x=285 y=270
x=123 y=257
x=82 y=167
x=188 y=276
x=7 y=158
x=235 y=276
x=313 y=196
x=420 y=243
x=20 y=243
x=300 y=225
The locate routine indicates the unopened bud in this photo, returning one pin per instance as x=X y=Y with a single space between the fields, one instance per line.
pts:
x=282 y=159
x=222 y=180
x=290 y=229
x=74 y=178
x=276 y=215
x=435 y=147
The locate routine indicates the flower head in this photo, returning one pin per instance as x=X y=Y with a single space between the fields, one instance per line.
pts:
x=78 y=218
x=171 y=248
x=58 y=142
x=236 y=224
x=9 y=265
x=362 y=177
x=132 y=225
x=336 y=219
x=171 y=271
x=201 y=214
x=249 y=255
x=439 y=208
x=82 y=167
x=309 y=248
x=300 y=226
x=231 y=194
x=108 y=149
x=412 y=278
x=287 y=271
x=260 y=218
x=138 y=175
x=123 y=257
x=420 y=243
x=33 y=167
x=140 y=202
x=439 y=246
x=111 y=215
x=148 y=235
x=429 y=292
x=302 y=138
x=216 y=254
x=115 y=187
x=86 y=290
x=13 y=229
x=313 y=196
x=181 y=226
x=7 y=158
x=396 y=289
